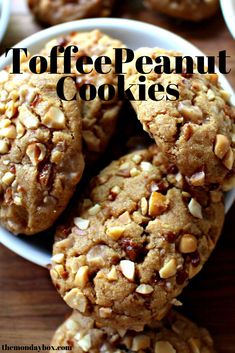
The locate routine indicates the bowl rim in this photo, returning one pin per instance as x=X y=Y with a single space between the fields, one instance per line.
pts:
x=5 y=11
x=16 y=244
x=228 y=8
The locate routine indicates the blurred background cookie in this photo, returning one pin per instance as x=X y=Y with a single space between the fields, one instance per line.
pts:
x=137 y=237
x=191 y=10
x=41 y=158
x=175 y=334
x=53 y=12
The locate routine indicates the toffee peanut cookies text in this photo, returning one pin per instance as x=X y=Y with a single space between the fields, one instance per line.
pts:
x=40 y=151
x=196 y=132
x=175 y=334
x=98 y=117
x=136 y=238
x=52 y=12
x=192 y=10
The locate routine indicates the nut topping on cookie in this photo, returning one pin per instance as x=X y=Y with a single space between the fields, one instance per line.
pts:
x=94 y=210
x=54 y=118
x=128 y=269
x=85 y=343
x=222 y=145
x=157 y=204
x=105 y=312
x=81 y=277
x=115 y=232
x=144 y=289
x=58 y=258
x=8 y=131
x=27 y=118
x=198 y=179
x=140 y=342
x=164 y=347
x=190 y=111
x=188 y=243
x=81 y=223
x=36 y=152
x=169 y=269
x=76 y=299
x=195 y=208
x=229 y=159
x=112 y=275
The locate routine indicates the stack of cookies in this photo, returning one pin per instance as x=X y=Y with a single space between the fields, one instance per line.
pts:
x=145 y=226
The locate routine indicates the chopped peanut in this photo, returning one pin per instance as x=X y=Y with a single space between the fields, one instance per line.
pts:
x=94 y=210
x=140 y=342
x=115 y=232
x=81 y=223
x=144 y=289
x=4 y=147
x=105 y=312
x=222 y=145
x=54 y=118
x=112 y=275
x=188 y=243
x=76 y=299
x=8 y=178
x=169 y=269
x=58 y=258
x=85 y=343
x=195 y=208
x=158 y=203
x=164 y=347
x=128 y=269
x=229 y=159
x=81 y=277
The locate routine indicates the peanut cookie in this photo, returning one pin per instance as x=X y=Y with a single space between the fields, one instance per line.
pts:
x=137 y=237
x=196 y=131
x=99 y=117
x=191 y=10
x=52 y=12
x=175 y=334
x=40 y=151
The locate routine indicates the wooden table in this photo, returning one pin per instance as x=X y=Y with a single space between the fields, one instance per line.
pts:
x=31 y=309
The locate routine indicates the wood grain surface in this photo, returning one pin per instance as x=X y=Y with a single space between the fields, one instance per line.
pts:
x=31 y=309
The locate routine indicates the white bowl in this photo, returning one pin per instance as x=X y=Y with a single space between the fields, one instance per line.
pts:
x=134 y=34
x=5 y=10
x=228 y=10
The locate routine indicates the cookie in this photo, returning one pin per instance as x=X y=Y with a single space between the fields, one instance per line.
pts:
x=175 y=334
x=196 y=131
x=53 y=12
x=99 y=117
x=190 y=10
x=41 y=157
x=137 y=237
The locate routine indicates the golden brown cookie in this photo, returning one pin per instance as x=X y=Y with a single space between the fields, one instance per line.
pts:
x=41 y=160
x=52 y=12
x=175 y=334
x=99 y=117
x=191 y=10
x=196 y=131
x=137 y=237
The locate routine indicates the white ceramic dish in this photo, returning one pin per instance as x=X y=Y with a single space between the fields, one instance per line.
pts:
x=228 y=10
x=5 y=10
x=134 y=34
